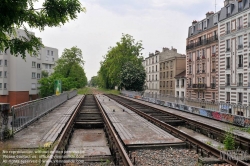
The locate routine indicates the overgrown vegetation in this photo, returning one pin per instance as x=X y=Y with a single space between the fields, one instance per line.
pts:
x=229 y=143
x=69 y=69
x=122 y=66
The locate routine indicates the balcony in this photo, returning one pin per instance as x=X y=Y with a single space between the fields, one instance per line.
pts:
x=213 y=85
x=240 y=65
x=203 y=71
x=240 y=46
x=202 y=42
x=227 y=67
x=199 y=86
x=213 y=70
x=213 y=54
x=203 y=57
x=227 y=49
x=189 y=86
x=198 y=71
x=240 y=84
x=227 y=84
x=240 y=27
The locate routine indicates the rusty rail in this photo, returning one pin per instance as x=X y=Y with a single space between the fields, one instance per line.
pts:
x=209 y=149
x=121 y=150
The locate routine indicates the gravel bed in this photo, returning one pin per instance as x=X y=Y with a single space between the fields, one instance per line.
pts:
x=165 y=157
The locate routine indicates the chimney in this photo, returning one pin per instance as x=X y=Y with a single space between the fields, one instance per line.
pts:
x=165 y=49
x=194 y=22
x=209 y=14
x=157 y=52
x=174 y=49
x=226 y=2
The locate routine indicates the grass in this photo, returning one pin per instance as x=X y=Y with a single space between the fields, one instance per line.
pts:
x=90 y=90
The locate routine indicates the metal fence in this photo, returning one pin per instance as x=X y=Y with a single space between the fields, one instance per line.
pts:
x=71 y=94
x=235 y=114
x=25 y=113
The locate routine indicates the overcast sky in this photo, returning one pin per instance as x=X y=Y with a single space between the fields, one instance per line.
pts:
x=157 y=23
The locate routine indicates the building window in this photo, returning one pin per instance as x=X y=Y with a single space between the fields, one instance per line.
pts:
x=182 y=94
x=5 y=62
x=5 y=74
x=0 y=62
x=33 y=75
x=240 y=79
x=47 y=66
x=228 y=45
x=228 y=97
x=48 y=52
x=0 y=73
x=171 y=84
x=213 y=96
x=171 y=74
x=156 y=77
x=240 y=42
x=228 y=10
x=38 y=76
x=52 y=53
x=177 y=93
x=5 y=85
x=228 y=27
x=215 y=19
x=200 y=26
x=228 y=80
x=214 y=49
x=33 y=86
x=228 y=63
x=240 y=5
x=205 y=24
x=38 y=66
x=240 y=98
x=33 y=64
x=198 y=95
x=155 y=66
x=240 y=61
x=240 y=23
x=0 y=85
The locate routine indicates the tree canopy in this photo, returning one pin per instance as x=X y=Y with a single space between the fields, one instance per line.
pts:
x=69 y=69
x=127 y=50
x=17 y=14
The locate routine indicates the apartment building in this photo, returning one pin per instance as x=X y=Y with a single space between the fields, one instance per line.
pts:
x=19 y=78
x=234 y=62
x=202 y=58
x=180 y=82
x=151 y=65
x=171 y=64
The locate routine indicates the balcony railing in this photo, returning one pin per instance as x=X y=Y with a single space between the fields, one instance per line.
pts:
x=213 y=85
x=199 y=86
x=182 y=86
x=227 y=67
x=240 y=84
x=240 y=27
x=227 y=49
x=228 y=31
x=240 y=46
x=213 y=55
x=240 y=65
x=228 y=83
x=213 y=70
x=202 y=42
x=203 y=57
x=189 y=86
x=203 y=71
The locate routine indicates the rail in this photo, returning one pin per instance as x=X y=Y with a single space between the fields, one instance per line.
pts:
x=25 y=113
x=199 y=107
x=122 y=152
x=209 y=149
x=71 y=94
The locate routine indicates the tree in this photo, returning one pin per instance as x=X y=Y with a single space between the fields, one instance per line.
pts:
x=45 y=74
x=133 y=76
x=94 y=81
x=16 y=14
x=127 y=50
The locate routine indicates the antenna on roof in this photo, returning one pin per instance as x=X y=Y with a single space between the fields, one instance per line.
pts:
x=215 y=6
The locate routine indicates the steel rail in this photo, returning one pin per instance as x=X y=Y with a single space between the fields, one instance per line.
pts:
x=209 y=149
x=66 y=131
x=122 y=152
x=238 y=138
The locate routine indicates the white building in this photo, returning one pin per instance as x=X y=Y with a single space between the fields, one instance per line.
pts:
x=19 y=78
x=180 y=82
x=234 y=54
x=151 y=65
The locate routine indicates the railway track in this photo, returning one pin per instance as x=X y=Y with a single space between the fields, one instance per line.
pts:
x=168 y=122
x=88 y=121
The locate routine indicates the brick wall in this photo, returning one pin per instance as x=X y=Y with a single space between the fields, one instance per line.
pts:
x=17 y=97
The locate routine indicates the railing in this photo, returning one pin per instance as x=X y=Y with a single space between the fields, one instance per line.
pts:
x=227 y=49
x=25 y=113
x=203 y=57
x=202 y=42
x=210 y=109
x=213 y=54
x=199 y=86
x=72 y=94
x=240 y=27
x=198 y=58
x=227 y=67
x=240 y=83
x=198 y=71
x=203 y=71
x=240 y=46
x=228 y=84
x=213 y=70
x=177 y=86
x=228 y=31
x=240 y=65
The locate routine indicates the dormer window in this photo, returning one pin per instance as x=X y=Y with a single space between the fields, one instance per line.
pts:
x=200 y=26
x=205 y=24
x=215 y=19
x=240 y=6
x=229 y=10
x=191 y=30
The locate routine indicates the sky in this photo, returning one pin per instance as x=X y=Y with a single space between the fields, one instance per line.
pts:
x=157 y=23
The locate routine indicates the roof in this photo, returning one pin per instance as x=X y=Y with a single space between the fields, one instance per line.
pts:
x=181 y=75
